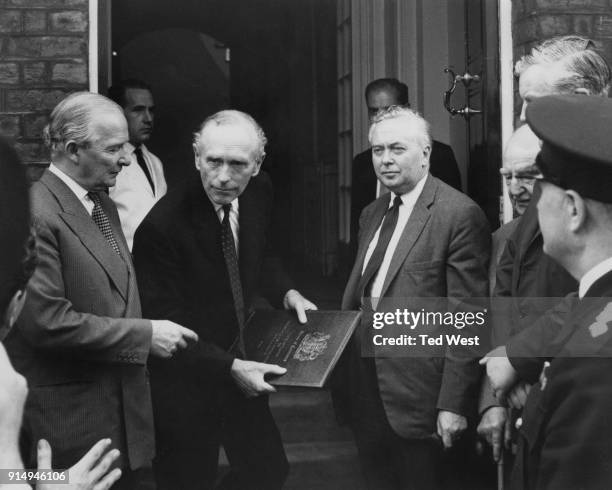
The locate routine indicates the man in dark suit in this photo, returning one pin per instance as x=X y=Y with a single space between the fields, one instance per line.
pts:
x=424 y=239
x=81 y=342
x=381 y=94
x=562 y=445
x=202 y=256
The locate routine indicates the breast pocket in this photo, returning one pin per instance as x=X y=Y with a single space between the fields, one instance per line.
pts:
x=426 y=278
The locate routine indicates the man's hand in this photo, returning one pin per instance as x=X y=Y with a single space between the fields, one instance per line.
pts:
x=518 y=395
x=494 y=427
x=293 y=300
x=500 y=372
x=90 y=473
x=13 y=392
x=249 y=376
x=450 y=427
x=168 y=337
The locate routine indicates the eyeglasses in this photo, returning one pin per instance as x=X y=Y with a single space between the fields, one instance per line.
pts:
x=525 y=178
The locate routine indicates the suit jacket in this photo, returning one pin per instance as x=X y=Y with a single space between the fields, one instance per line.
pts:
x=528 y=284
x=499 y=238
x=442 y=164
x=566 y=435
x=183 y=277
x=133 y=195
x=525 y=271
x=443 y=252
x=80 y=341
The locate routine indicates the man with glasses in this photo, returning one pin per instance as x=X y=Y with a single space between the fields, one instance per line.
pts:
x=80 y=341
x=520 y=173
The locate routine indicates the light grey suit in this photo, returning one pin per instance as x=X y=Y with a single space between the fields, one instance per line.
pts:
x=80 y=341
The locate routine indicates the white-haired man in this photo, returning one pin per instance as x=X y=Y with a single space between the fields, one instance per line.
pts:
x=520 y=173
x=424 y=239
x=81 y=342
x=202 y=255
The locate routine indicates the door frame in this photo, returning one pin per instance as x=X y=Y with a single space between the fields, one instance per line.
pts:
x=93 y=45
x=506 y=90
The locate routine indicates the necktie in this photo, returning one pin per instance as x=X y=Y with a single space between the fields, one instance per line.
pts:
x=143 y=165
x=384 y=237
x=102 y=222
x=231 y=262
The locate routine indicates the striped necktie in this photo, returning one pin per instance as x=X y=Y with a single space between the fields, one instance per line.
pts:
x=384 y=237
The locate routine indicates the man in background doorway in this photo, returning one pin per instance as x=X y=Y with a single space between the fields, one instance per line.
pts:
x=381 y=94
x=141 y=184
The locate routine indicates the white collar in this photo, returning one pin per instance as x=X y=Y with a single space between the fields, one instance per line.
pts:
x=79 y=191
x=218 y=207
x=410 y=197
x=130 y=148
x=593 y=275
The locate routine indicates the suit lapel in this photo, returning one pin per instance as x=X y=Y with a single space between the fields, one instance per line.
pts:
x=352 y=294
x=418 y=218
x=531 y=229
x=252 y=223
x=205 y=221
x=80 y=222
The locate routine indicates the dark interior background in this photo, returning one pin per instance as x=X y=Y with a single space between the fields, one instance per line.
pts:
x=281 y=70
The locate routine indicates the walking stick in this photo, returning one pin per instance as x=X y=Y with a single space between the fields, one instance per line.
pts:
x=500 y=470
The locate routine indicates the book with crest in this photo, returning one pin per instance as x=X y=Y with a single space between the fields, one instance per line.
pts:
x=309 y=351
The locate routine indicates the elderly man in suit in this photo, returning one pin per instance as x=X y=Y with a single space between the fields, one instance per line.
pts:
x=202 y=255
x=81 y=342
x=424 y=239
x=17 y=263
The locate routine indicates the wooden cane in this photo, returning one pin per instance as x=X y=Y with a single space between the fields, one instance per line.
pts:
x=500 y=470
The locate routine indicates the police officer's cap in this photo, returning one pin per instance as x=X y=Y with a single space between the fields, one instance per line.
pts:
x=576 y=134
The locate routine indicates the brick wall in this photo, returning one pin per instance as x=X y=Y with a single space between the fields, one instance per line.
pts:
x=43 y=56
x=536 y=20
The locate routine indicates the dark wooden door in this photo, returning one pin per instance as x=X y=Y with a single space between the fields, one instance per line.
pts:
x=484 y=129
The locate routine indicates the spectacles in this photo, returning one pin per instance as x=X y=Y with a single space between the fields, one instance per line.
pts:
x=525 y=178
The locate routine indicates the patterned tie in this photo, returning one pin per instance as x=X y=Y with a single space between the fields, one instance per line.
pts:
x=231 y=262
x=143 y=165
x=384 y=237
x=101 y=220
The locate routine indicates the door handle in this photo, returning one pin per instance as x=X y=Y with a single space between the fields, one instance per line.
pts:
x=467 y=79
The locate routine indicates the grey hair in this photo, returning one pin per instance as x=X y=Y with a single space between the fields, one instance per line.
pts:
x=226 y=117
x=423 y=135
x=71 y=119
x=576 y=55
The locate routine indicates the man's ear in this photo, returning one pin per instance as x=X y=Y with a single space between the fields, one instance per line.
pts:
x=576 y=210
x=14 y=308
x=258 y=165
x=196 y=155
x=71 y=148
x=426 y=154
